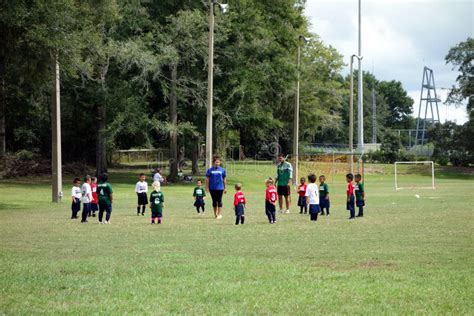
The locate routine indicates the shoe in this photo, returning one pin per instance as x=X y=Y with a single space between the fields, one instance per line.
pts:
x=138 y=214
x=101 y=223
x=93 y=215
x=152 y=223
x=84 y=221
x=287 y=212
x=219 y=216
x=351 y=217
x=143 y=214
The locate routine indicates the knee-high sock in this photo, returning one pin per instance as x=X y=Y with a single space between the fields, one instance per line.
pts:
x=242 y=219
x=143 y=209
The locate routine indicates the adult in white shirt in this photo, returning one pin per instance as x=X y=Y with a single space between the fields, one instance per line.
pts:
x=312 y=197
x=141 y=188
x=86 y=198
x=157 y=177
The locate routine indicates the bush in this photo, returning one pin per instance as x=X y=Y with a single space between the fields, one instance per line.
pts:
x=26 y=163
x=442 y=160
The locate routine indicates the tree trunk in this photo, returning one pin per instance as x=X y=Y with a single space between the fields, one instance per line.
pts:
x=173 y=176
x=3 y=109
x=101 y=152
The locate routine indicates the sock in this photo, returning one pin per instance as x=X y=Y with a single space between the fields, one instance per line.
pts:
x=237 y=220
x=159 y=220
x=143 y=209
x=138 y=209
x=242 y=219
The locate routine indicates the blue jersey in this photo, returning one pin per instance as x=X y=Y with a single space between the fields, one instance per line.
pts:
x=216 y=178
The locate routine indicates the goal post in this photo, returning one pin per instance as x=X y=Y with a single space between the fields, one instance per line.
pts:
x=405 y=165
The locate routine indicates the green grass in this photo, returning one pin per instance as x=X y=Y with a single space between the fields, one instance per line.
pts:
x=407 y=256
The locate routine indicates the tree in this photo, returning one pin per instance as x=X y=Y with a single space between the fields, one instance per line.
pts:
x=400 y=105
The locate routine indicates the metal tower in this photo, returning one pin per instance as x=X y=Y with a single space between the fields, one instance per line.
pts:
x=428 y=99
x=374 y=118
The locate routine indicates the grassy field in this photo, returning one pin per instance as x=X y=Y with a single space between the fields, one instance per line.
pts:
x=407 y=256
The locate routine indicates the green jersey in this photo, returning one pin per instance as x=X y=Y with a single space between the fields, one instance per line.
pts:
x=359 y=190
x=284 y=173
x=105 y=190
x=199 y=192
x=323 y=190
x=157 y=199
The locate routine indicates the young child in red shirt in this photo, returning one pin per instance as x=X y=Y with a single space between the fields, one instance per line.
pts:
x=95 y=200
x=350 y=195
x=239 y=204
x=301 y=196
x=270 y=200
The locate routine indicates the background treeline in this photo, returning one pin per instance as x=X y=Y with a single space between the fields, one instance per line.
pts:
x=134 y=75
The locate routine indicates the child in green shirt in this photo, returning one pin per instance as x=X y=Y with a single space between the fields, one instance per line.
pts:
x=157 y=200
x=199 y=196
x=323 y=195
x=359 y=194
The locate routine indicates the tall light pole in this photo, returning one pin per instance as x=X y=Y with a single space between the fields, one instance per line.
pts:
x=210 y=80
x=56 y=161
x=360 y=107
x=296 y=122
x=351 y=112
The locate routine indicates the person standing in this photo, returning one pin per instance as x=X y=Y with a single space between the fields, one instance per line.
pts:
x=105 y=198
x=86 y=198
x=216 y=184
x=283 y=180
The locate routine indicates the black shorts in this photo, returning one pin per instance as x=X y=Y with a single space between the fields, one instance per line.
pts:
x=283 y=190
x=269 y=207
x=314 y=209
x=94 y=207
x=105 y=207
x=76 y=205
x=199 y=202
x=360 y=203
x=323 y=203
x=142 y=198
x=156 y=213
x=216 y=196
x=239 y=209
x=350 y=204
x=302 y=201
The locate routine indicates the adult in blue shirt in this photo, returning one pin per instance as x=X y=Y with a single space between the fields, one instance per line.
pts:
x=216 y=185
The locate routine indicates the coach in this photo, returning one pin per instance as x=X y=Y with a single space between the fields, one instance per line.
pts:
x=283 y=180
x=216 y=185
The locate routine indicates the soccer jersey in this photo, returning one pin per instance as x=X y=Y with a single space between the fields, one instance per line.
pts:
x=284 y=173
x=199 y=192
x=76 y=192
x=271 y=194
x=323 y=190
x=359 y=190
x=312 y=192
x=239 y=198
x=157 y=199
x=141 y=187
x=302 y=189
x=94 y=193
x=105 y=189
x=86 y=193
x=350 y=189
x=216 y=177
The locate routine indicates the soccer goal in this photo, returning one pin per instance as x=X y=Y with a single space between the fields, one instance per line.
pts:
x=414 y=175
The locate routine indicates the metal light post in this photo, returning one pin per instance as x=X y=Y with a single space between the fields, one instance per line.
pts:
x=351 y=112
x=56 y=161
x=360 y=108
x=296 y=122
x=210 y=80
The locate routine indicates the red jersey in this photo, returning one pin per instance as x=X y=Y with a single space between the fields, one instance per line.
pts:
x=302 y=189
x=271 y=194
x=94 y=193
x=239 y=198
x=350 y=188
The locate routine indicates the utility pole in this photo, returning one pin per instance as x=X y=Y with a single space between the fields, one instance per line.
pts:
x=56 y=160
x=374 y=118
x=360 y=126
x=210 y=86
x=351 y=113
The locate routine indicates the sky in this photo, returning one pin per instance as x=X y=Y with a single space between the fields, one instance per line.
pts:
x=399 y=38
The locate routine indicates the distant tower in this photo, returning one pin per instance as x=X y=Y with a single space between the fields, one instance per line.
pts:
x=428 y=99
x=374 y=118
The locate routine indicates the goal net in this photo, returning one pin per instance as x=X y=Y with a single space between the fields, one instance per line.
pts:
x=414 y=175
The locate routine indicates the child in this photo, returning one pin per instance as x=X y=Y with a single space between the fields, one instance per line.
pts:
x=312 y=197
x=76 y=197
x=350 y=195
x=239 y=204
x=95 y=200
x=360 y=194
x=157 y=200
x=199 y=195
x=270 y=200
x=105 y=198
x=141 y=188
x=323 y=195
x=301 y=196
x=86 y=198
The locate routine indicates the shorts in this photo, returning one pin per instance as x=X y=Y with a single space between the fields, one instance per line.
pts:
x=156 y=213
x=269 y=207
x=302 y=201
x=283 y=190
x=216 y=196
x=94 y=207
x=142 y=198
x=314 y=209
x=350 y=204
x=76 y=205
x=105 y=207
x=360 y=203
x=324 y=203
x=199 y=202
x=239 y=209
